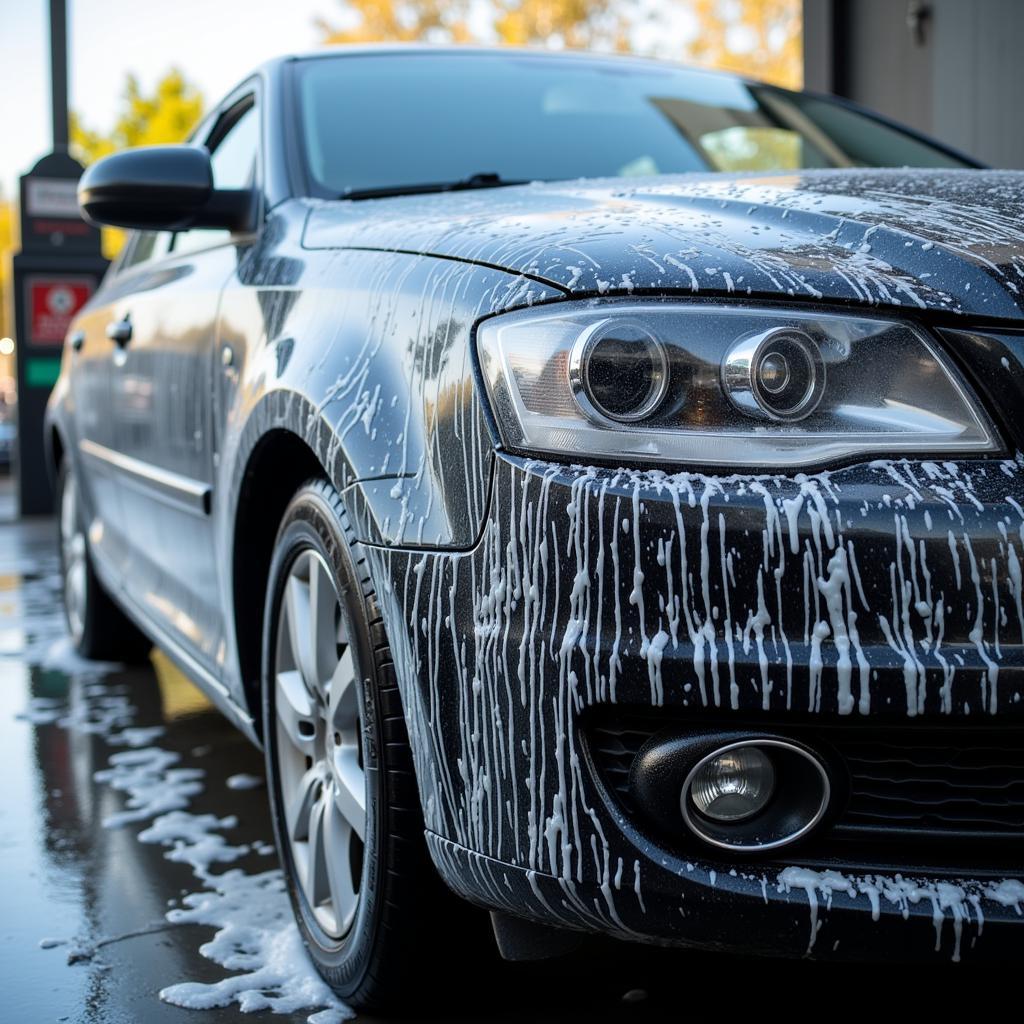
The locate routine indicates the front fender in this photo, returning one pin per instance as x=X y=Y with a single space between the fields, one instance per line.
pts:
x=368 y=360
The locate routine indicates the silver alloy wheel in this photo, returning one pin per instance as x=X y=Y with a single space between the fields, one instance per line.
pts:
x=319 y=743
x=72 y=541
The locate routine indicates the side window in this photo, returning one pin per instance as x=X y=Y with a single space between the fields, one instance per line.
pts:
x=234 y=153
x=234 y=146
x=145 y=245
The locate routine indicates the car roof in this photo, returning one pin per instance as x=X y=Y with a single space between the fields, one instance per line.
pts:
x=396 y=49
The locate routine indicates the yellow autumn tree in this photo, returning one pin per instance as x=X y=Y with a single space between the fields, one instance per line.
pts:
x=577 y=24
x=372 y=21
x=7 y=229
x=759 y=38
x=572 y=23
x=166 y=115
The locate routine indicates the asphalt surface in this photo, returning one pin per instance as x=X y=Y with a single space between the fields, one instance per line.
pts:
x=84 y=932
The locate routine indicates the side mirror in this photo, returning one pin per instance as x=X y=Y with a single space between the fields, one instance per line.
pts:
x=162 y=188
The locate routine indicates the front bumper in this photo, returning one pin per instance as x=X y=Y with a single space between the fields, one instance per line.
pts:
x=878 y=594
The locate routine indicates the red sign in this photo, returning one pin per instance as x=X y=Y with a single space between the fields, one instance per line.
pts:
x=53 y=303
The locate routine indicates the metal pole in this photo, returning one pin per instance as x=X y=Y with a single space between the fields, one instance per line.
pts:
x=59 y=73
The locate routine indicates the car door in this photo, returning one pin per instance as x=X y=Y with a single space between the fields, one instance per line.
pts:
x=93 y=354
x=162 y=382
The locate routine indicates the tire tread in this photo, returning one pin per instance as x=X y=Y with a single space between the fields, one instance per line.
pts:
x=414 y=902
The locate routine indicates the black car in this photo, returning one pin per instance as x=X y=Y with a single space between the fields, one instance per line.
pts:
x=594 y=482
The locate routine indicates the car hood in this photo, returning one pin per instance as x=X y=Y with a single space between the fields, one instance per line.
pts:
x=949 y=240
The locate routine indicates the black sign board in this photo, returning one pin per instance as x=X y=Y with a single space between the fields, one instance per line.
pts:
x=50 y=221
x=59 y=266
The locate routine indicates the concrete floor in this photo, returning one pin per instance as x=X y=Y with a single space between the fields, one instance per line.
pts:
x=83 y=932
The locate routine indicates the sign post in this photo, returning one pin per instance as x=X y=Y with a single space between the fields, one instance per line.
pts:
x=58 y=268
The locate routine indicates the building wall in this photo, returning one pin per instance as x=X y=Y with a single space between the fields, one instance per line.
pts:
x=951 y=68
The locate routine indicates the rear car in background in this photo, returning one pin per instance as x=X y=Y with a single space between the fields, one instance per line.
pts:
x=8 y=436
x=633 y=546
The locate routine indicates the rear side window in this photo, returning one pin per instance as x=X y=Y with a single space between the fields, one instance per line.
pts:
x=864 y=140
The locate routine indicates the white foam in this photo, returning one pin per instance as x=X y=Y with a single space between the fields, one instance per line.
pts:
x=256 y=932
x=244 y=781
x=61 y=656
x=153 y=785
x=101 y=713
x=963 y=900
x=41 y=711
x=136 y=736
x=194 y=839
x=257 y=937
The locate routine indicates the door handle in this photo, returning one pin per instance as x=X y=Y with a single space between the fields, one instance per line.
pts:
x=120 y=331
x=919 y=14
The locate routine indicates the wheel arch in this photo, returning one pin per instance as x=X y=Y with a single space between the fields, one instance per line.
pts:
x=55 y=449
x=278 y=465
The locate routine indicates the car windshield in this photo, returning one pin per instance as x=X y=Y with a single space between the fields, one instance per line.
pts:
x=379 y=121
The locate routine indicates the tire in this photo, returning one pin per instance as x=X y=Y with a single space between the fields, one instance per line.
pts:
x=350 y=731
x=99 y=629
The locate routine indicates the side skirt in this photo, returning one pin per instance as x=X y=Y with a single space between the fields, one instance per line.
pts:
x=209 y=684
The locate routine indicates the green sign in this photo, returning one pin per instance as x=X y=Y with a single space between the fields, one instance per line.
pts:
x=42 y=373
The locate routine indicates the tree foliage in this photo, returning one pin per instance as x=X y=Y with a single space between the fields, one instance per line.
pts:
x=760 y=38
x=577 y=24
x=165 y=116
x=573 y=23
x=371 y=21
x=7 y=229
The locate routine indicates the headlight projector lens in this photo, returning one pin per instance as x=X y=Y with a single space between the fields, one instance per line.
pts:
x=778 y=375
x=618 y=371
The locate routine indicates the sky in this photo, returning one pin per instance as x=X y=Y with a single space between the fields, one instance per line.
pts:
x=215 y=42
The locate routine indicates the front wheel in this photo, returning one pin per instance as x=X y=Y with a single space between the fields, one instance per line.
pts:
x=344 y=802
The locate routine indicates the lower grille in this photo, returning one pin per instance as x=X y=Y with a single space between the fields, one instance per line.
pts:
x=972 y=783
x=905 y=784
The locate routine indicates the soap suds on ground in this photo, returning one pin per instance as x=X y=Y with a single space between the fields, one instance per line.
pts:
x=243 y=781
x=256 y=940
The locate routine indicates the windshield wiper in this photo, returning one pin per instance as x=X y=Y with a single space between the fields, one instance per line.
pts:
x=461 y=185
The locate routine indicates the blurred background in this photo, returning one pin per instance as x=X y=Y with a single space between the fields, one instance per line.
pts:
x=141 y=72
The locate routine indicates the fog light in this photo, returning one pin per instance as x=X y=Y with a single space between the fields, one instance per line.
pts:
x=733 y=785
x=619 y=371
x=745 y=793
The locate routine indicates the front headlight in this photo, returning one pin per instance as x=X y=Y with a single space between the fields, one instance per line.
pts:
x=722 y=386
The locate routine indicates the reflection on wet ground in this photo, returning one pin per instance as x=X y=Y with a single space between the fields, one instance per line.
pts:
x=124 y=792
x=83 y=934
